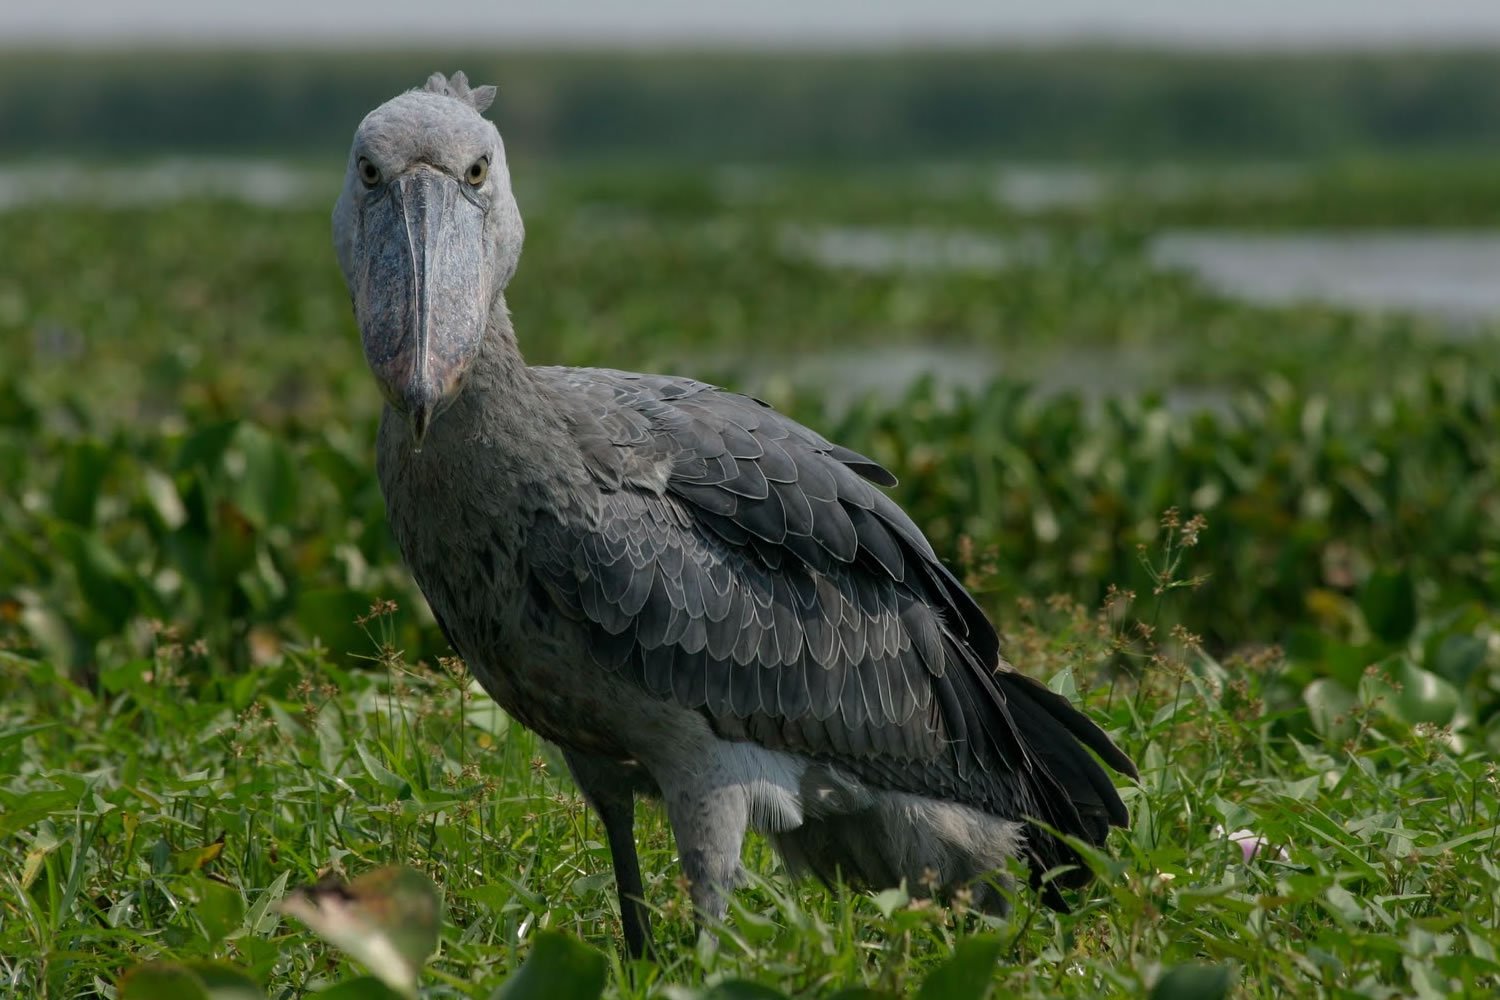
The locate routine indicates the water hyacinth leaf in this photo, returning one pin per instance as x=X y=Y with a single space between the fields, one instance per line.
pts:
x=968 y=975
x=1423 y=696
x=264 y=478
x=345 y=471
x=1328 y=706
x=329 y=613
x=222 y=982
x=1194 y=982
x=1389 y=603
x=84 y=466
x=162 y=981
x=262 y=583
x=165 y=502
x=484 y=713
x=188 y=981
x=103 y=580
x=205 y=447
x=1458 y=656
x=558 y=968
x=16 y=408
x=387 y=920
x=363 y=988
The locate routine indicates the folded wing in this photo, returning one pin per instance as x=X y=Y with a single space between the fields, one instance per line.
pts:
x=743 y=566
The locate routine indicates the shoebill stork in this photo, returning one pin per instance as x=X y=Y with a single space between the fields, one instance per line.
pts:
x=698 y=599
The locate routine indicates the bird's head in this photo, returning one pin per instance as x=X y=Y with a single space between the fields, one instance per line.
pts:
x=428 y=235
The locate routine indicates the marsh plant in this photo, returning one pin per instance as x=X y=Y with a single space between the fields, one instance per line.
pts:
x=216 y=685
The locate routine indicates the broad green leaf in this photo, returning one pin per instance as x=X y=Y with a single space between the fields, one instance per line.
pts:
x=222 y=982
x=265 y=481
x=329 y=613
x=558 y=968
x=484 y=713
x=33 y=807
x=1389 y=603
x=19 y=733
x=162 y=981
x=105 y=582
x=1344 y=903
x=220 y=908
x=387 y=919
x=164 y=499
x=363 y=988
x=205 y=447
x=968 y=975
x=382 y=775
x=1424 y=696
x=188 y=981
x=1458 y=657
x=1194 y=982
x=1328 y=706
x=84 y=466
x=1406 y=692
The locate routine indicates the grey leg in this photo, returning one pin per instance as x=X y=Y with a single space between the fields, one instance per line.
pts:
x=609 y=786
x=709 y=824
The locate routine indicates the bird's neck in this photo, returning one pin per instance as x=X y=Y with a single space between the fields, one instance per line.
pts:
x=499 y=388
x=504 y=437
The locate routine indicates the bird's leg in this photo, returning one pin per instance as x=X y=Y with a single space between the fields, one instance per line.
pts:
x=709 y=825
x=609 y=788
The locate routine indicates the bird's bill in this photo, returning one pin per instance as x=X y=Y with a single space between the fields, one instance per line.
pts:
x=422 y=303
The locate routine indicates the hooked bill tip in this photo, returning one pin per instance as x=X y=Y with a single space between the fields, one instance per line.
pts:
x=421 y=419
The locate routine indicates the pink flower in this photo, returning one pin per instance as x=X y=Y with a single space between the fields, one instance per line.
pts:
x=1252 y=843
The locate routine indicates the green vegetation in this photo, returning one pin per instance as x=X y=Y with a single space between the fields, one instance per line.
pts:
x=1096 y=103
x=217 y=684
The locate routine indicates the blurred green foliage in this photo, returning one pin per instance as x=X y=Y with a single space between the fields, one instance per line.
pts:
x=203 y=695
x=1099 y=103
x=188 y=420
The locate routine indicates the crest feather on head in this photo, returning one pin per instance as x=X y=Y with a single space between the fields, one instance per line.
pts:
x=457 y=86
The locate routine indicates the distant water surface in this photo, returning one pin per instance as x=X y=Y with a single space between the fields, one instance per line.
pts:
x=1450 y=275
x=267 y=182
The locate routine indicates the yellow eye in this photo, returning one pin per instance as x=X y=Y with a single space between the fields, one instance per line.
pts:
x=478 y=171
x=368 y=172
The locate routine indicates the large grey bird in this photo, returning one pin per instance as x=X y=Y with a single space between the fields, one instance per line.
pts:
x=697 y=598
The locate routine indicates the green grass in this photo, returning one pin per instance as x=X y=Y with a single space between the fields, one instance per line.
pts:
x=1388 y=887
x=199 y=711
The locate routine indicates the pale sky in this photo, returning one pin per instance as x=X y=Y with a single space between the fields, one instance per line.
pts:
x=804 y=22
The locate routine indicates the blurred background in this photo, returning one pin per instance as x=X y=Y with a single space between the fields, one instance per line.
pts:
x=1061 y=266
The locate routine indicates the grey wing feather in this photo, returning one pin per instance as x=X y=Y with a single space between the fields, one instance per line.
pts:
x=742 y=565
